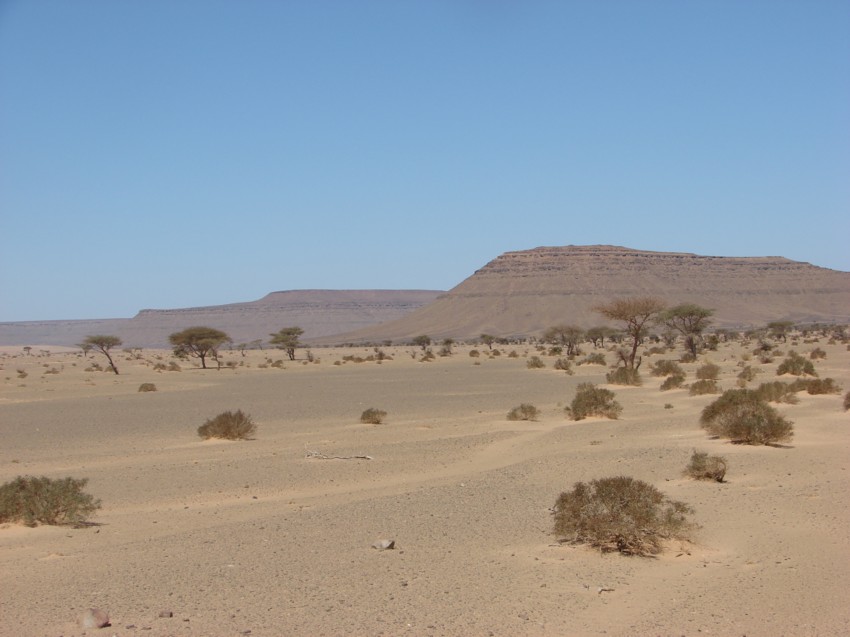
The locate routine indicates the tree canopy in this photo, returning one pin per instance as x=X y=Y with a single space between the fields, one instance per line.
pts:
x=287 y=340
x=198 y=342
x=103 y=343
x=690 y=320
x=635 y=313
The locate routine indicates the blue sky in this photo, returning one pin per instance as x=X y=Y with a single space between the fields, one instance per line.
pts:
x=175 y=153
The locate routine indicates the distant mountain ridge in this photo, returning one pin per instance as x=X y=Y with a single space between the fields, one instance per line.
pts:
x=318 y=312
x=522 y=293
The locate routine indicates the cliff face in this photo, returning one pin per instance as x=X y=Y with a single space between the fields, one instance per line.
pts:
x=524 y=292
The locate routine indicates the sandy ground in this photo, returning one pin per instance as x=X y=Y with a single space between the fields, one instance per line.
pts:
x=255 y=538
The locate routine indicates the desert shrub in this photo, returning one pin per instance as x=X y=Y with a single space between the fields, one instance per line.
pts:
x=816 y=386
x=44 y=500
x=673 y=382
x=777 y=392
x=94 y=366
x=555 y=351
x=564 y=365
x=709 y=371
x=705 y=467
x=795 y=365
x=174 y=367
x=620 y=514
x=702 y=387
x=742 y=416
x=23 y=374
x=513 y=354
x=624 y=376
x=817 y=354
x=668 y=406
x=591 y=400
x=666 y=368
x=496 y=352
x=145 y=387
x=655 y=350
x=229 y=425
x=526 y=411
x=748 y=373
x=427 y=357
x=373 y=416
x=474 y=353
x=596 y=358
x=535 y=362
x=847 y=401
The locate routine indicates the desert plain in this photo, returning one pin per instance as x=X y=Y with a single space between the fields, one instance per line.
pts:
x=273 y=536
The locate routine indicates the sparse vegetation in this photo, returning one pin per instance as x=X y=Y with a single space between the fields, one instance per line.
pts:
x=666 y=368
x=742 y=416
x=43 y=500
x=816 y=386
x=673 y=382
x=535 y=362
x=526 y=411
x=709 y=371
x=703 y=386
x=564 y=365
x=373 y=416
x=591 y=400
x=624 y=376
x=777 y=392
x=229 y=425
x=817 y=354
x=705 y=467
x=594 y=358
x=620 y=514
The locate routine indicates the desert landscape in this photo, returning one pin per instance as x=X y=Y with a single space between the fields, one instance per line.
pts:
x=276 y=535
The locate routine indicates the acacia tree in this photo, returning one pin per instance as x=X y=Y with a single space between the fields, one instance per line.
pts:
x=635 y=313
x=780 y=329
x=567 y=335
x=422 y=341
x=690 y=320
x=287 y=340
x=198 y=342
x=597 y=335
x=488 y=340
x=102 y=343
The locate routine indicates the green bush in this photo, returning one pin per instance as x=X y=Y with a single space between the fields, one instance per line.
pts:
x=795 y=365
x=145 y=387
x=705 y=467
x=673 y=382
x=373 y=416
x=535 y=362
x=43 y=500
x=666 y=368
x=702 y=387
x=624 y=376
x=709 y=371
x=620 y=514
x=591 y=400
x=742 y=416
x=229 y=425
x=526 y=411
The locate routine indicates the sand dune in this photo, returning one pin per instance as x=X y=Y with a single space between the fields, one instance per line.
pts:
x=254 y=536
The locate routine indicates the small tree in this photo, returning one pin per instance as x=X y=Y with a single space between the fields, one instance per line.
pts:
x=198 y=342
x=569 y=336
x=422 y=341
x=597 y=335
x=780 y=329
x=287 y=340
x=103 y=344
x=635 y=313
x=488 y=340
x=690 y=320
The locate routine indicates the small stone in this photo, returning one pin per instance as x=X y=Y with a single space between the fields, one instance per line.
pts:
x=384 y=545
x=94 y=618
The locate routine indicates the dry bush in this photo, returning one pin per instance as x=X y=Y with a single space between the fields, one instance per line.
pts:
x=777 y=392
x=620 y=514
x=847 y=401
x=591 y=400
x=742 y=416
x=474 y=353
x=526 y=411
x=796 y=365
x=673 y=382
x=43 y=500
x=373 y=416
x=702 y=387
x=709 y=371
x=748 y=373
x=666 y=368
x=816 y=386
x=535 y=362
x=624 y=376
x=595 y=358
x=817 y=354
x=229 y=425
x=705 y=467
x=563 y=364
x=146 y=387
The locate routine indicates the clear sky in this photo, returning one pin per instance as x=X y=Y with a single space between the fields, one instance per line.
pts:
x=176 y=153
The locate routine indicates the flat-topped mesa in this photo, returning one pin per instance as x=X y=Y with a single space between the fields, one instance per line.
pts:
x=524 y=292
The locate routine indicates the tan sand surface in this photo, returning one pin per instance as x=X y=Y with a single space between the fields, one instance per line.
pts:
x=255 y=538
